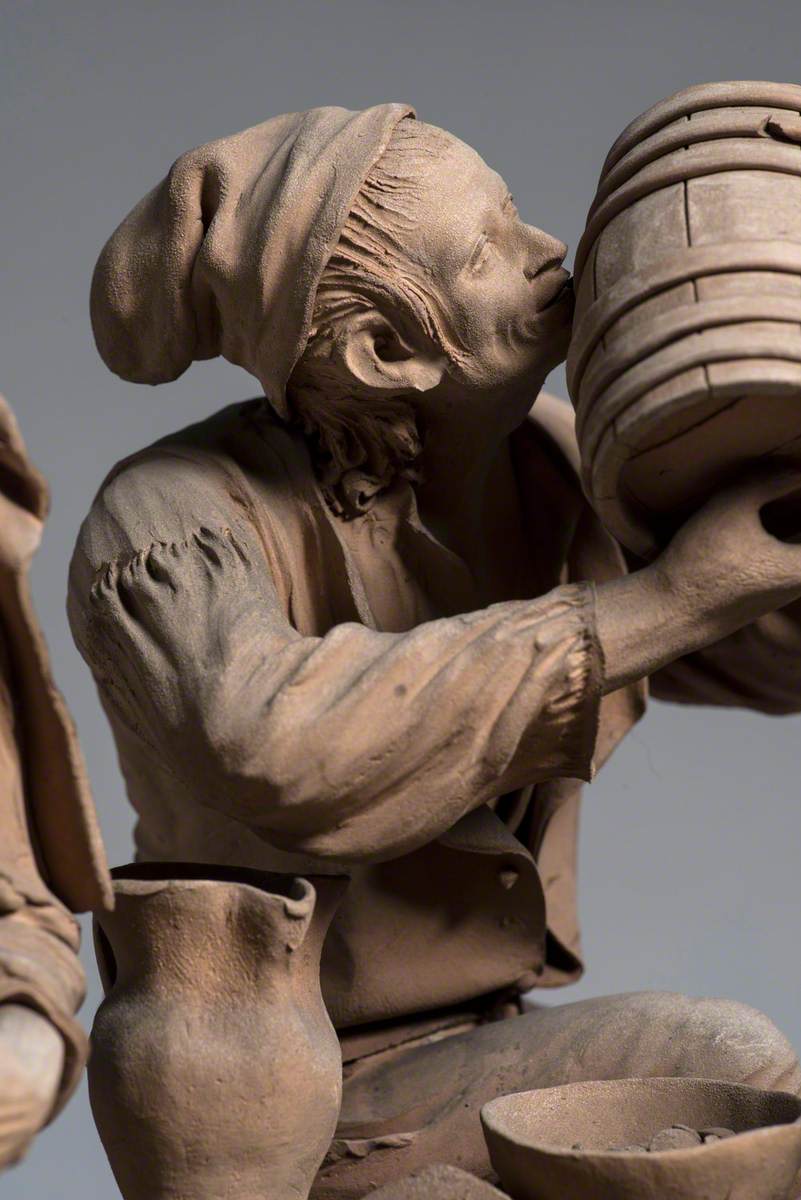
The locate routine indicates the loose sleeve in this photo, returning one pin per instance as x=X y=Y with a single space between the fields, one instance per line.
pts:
x=39 y=938
x=39 y=968
x=357 y=745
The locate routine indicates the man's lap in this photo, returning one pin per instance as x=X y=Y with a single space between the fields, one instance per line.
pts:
x=420 y=1104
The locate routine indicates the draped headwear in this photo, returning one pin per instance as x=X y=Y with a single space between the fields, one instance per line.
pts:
x=224 y=256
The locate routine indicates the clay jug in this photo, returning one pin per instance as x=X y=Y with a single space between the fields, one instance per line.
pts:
x=685 y=362
x=215 y=1071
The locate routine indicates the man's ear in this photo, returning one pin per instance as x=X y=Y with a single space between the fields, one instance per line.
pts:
x=375 y=353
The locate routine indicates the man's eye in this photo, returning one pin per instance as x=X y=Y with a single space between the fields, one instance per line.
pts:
x=481 y=253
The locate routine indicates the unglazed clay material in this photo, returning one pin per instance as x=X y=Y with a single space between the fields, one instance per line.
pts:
x=51 y=855
x=215 y=1070
x=438 y=1182
x=531 y=1138
x=369 y=619
x=686 y=358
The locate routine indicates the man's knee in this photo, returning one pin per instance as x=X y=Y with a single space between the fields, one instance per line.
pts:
x=722 y=1039
x=748 y=1046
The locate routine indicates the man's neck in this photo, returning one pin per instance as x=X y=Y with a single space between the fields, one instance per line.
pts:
x=467 y=486
x=463 y=443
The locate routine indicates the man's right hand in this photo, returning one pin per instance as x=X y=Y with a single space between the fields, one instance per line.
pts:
x=721 y=571
x=725 y=567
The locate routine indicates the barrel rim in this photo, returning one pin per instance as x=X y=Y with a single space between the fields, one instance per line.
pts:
x=710 y=127
x=730 y=93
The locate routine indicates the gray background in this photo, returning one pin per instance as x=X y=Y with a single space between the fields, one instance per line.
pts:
x=691 y=834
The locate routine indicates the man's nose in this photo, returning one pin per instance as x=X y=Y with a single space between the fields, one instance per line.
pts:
x=544 y=252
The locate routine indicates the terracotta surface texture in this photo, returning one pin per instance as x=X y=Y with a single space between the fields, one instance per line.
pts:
x=438 y=1182
x=368 y=623
x=51 y=856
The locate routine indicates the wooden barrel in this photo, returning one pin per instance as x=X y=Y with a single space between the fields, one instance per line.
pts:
x=685 y=361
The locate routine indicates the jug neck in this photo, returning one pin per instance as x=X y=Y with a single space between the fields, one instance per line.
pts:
x=202 y=923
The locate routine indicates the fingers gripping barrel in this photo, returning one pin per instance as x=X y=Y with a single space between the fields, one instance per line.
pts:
x=685 y=362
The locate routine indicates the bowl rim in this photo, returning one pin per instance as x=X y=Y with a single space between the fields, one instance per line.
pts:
x=489 y=1120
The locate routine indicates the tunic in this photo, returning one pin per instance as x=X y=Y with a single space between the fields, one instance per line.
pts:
x=264 y=719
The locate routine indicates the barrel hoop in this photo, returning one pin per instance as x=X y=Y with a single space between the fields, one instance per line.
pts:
x=621 y=510
x=708 y=158
x=624 y=514
x=696 y=262
x=668 y=327
x=698 y=350
x=707 y=127
x=700 y=98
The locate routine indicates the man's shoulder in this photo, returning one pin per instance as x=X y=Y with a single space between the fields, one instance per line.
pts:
x=240 y=437
x=198 y=476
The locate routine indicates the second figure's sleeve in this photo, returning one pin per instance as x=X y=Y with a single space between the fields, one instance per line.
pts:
x=355 y=745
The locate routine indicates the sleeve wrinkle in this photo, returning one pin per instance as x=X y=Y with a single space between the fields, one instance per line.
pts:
x=328 y=743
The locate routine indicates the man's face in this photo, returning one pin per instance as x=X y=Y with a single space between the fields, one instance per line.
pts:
x=496 y=285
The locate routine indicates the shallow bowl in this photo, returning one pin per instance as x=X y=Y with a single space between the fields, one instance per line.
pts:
x=530 y=1136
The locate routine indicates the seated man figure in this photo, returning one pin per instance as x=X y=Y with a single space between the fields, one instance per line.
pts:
x=368 y=621
x=51 y=856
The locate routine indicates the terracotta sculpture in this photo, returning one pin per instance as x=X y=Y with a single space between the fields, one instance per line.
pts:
x=370 y=624
x=51 y=856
